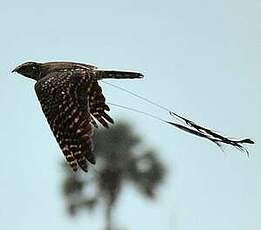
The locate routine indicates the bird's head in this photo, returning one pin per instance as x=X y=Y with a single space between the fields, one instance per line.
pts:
x=29 y=69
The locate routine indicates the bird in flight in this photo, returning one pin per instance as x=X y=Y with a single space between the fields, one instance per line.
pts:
x=73 y=104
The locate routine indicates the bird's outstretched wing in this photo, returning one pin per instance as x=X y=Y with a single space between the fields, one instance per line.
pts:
x=65 y=102
x=98 y=106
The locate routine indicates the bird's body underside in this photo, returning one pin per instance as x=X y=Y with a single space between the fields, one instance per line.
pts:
x=73 y=103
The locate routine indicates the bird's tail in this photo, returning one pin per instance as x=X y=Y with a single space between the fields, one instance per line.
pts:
x=115 y=74
x=188 y=125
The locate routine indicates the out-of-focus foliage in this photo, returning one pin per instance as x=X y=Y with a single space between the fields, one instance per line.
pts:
x=121 y=158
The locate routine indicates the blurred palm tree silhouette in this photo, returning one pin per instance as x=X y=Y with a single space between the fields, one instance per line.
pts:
x=118 y=161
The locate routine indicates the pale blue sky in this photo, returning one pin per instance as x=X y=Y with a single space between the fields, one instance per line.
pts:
x=200 y=58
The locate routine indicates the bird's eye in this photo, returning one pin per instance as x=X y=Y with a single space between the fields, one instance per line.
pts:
x=34 y=68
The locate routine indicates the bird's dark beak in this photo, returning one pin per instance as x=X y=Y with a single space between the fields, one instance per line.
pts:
x=15 y=70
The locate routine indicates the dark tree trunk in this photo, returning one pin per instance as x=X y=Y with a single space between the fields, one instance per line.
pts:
x=108 y=217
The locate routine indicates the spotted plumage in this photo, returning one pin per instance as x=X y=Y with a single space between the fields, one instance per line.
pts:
x=73 y=103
